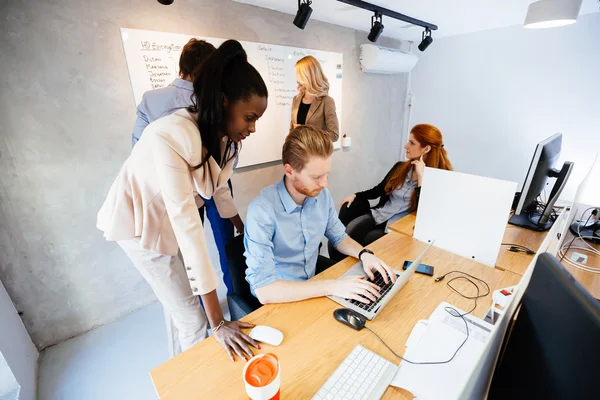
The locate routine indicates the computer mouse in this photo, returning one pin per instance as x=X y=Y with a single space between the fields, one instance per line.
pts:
x=350 y=317
x=266 y=334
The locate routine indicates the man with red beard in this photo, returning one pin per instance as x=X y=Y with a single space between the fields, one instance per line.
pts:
x=286 y=222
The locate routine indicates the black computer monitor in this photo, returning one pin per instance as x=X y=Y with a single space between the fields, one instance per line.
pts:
x=585 y=229
x=528 y=213
x=552 y=350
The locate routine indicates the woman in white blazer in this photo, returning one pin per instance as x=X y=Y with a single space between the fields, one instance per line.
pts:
x=150 y=210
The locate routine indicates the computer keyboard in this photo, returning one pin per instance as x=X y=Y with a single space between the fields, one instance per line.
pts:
x=384 y=288
x=362 y=375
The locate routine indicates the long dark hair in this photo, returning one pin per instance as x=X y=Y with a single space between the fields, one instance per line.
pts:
x=226 y=72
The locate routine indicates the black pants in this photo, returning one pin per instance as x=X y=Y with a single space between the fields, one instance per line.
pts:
x=364 y=230
x=359 y=223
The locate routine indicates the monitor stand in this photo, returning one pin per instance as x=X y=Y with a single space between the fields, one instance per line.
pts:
x=530 y=220
x=591 y=232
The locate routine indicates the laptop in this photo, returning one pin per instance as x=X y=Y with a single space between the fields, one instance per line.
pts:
x=388 y=291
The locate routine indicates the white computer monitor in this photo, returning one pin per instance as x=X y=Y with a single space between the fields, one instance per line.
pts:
x=464 y=214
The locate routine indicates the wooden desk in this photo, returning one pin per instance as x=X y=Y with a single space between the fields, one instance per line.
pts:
x=405 y=225
x=518 y=262
x=315 y=343
x=507 y=260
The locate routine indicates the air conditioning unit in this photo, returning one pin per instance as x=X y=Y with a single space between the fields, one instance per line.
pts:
x=382 y=60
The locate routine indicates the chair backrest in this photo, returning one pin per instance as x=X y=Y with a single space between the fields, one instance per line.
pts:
x=234 y=251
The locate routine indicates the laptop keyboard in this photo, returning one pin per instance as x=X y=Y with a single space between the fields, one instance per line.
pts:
x=384 y=289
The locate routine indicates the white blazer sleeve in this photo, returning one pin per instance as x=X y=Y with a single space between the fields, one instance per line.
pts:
x=224 y=201
x=173 y=174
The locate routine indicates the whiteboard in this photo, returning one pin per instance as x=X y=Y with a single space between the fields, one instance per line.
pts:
x=153 y=62
x=464 y=214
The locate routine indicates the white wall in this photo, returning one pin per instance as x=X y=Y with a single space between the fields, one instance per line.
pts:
x=17 y=350
x=67 y=112
x=8 y=383
x=495 y=94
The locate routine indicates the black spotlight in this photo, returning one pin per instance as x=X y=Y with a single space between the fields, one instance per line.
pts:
x=376 y=27
x=303 y=13
x=165 y=2
x=427 y=40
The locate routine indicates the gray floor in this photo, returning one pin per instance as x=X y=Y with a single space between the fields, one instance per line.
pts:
x=113 y=361
x=110 y=362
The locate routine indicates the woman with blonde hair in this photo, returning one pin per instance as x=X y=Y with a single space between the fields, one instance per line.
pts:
x=313 y=105
x=399 y=191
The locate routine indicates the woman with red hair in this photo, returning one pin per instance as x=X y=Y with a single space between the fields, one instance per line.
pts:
x=399 y=191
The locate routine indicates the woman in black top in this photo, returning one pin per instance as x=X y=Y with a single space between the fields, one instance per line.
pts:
x=302 y=113
x=399 y=191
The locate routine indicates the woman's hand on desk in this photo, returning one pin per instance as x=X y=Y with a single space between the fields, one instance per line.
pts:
x=349 y=200
x=233 y=339
x=354 y=287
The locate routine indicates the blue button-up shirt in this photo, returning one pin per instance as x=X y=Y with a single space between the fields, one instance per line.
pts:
x=161 y=102
x=282 y=238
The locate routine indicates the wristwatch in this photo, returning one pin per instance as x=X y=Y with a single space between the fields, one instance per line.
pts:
x=365 y=250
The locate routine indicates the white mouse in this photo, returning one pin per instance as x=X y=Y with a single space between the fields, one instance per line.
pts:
x=266 y=334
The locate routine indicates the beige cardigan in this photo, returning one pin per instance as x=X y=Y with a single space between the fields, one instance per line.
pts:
x=320 y=114
x=154 y=195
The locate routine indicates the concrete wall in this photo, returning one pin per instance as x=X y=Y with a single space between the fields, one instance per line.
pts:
x=496 y=94
x=67 y=111
x=18 y=355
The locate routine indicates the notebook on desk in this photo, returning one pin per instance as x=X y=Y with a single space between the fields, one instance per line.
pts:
x=387 y=291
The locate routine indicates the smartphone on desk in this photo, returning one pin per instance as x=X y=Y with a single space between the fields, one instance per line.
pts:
x=421 y=269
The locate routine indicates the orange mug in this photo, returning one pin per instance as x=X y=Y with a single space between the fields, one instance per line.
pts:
x=262 y=377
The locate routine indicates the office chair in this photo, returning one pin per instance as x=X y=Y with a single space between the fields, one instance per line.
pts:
x=241 y=301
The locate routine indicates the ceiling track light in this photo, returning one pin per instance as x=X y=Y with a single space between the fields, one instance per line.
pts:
x=380 y=11
x=376 y=27
x=165 y=2
x=303 y=13
x=426 y=40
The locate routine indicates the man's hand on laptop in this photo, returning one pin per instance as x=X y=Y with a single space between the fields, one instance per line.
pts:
x=372 y=263
x=354 y=288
